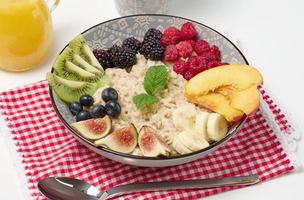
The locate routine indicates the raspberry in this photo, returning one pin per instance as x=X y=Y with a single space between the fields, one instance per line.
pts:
x=214 y=63
x=188 y=31
x=180 y=67
x=197 y=64
x=201 y=46
x=165 y=41
x=210 y=56
x=171 y=53
x=171 y=36
x=215 y=51
x=184 y=49
x=188 y=75
x=192 y=42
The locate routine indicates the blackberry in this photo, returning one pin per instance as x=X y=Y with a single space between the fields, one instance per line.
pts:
x=132 y=43
x=122 y=57
x=153 y=34
x=103 y=58
x=152 y=50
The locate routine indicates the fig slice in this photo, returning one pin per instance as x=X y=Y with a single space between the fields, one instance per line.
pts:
x=123 y=140
x=94 y=128
x=151 y=144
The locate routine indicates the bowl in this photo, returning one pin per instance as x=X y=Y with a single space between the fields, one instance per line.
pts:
x=104 y=35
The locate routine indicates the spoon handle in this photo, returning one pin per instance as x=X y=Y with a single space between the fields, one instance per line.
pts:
x=184 y=184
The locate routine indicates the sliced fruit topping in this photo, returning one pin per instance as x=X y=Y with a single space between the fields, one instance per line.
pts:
x=75 y=108
x=65 y=68
x=83 y=115
x=150 y=143
x=109 y=94
x=192 y=140
x=200 y=126
x=86 y=100
x=220 y=104
x=94 y=128
x=113 y=108
x=184 y=117
x=179 y=146
x=250 y=95
x=217 y=127
x=237 y=76
x=230 y=90
x=123 y=140
x=68 y=90
x=80 y=47
x=98 y=111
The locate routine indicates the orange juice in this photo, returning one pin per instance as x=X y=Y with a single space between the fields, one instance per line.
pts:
x=25 y=34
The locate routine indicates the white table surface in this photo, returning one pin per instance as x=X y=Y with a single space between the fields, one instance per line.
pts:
x=270 y=33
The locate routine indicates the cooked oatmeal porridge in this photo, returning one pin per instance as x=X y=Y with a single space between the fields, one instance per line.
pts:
x=159 y=116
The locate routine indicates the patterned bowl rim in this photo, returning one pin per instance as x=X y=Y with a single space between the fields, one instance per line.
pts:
x=213 y=145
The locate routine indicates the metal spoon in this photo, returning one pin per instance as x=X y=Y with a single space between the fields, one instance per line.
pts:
x=62 y=188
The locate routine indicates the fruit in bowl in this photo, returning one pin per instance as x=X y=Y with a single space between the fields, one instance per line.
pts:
x=167 y=96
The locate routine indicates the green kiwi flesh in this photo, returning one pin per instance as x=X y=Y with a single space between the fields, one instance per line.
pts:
x=69 y=90
x=85 y=65
x=66 y=69
x=80 y=47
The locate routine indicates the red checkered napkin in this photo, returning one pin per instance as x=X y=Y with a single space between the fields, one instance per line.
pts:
x=48 y=149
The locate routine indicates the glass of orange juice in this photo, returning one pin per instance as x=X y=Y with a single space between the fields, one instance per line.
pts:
x=26 y=33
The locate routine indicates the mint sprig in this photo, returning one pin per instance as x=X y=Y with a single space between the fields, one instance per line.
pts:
x=143 y=100
x=155 y=81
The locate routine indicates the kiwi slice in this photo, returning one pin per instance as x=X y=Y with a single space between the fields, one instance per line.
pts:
x=66 y=69
x=69 y=55
x=69 y=90
x=80 y=47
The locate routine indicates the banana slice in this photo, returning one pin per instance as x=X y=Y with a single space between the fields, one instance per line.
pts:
x=201 y=124
x=217 y=126
x=192 y=140
x=179 y=147
x=184 y=117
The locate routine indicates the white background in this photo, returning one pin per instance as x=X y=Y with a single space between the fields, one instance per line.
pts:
x=270 y=34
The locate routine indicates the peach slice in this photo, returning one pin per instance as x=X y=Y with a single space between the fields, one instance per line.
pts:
x=247 y=100
x=220 y=104
x=237 y=76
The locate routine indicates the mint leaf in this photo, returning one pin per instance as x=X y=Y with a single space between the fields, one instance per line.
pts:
x=155 y=79
x=144 y=100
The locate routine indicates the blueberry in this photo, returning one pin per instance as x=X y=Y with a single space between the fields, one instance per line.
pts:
x=98 y=111
x=75 y=108
x=109 y=94
x=83 y=115
x=86 y=100
x=113 y=108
